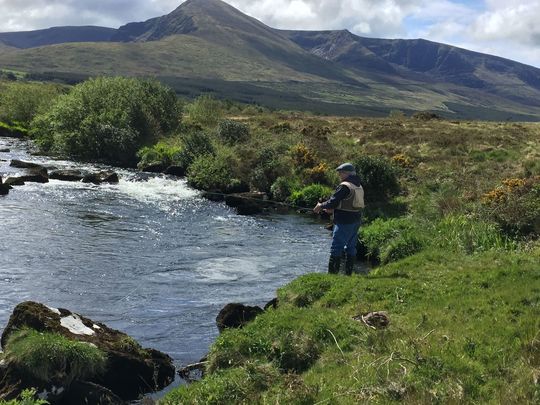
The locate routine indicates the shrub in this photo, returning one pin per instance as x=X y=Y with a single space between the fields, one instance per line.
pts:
x=159 y=153
x=194 y=145
x=303 y=157
x=310 y=195
x=213 y=172
x=45 y=355
x=515 y=206
x=379 y=178
x=268 y=166
x=21 y=102
x=204 y=110
x=232 y=131
x=107 y=119
x=283 y=187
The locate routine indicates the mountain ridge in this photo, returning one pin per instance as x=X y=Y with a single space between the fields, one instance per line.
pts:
x=209 y=39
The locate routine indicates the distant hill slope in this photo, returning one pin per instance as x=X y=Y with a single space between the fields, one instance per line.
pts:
x=56 y=35
x=328 y=71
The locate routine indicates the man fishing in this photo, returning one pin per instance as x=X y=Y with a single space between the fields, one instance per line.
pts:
x=346 y=204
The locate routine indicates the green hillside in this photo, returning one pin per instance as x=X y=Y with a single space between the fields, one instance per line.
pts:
x=321 y=71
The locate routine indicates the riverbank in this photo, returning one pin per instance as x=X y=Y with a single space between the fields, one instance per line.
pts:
x=462 y=329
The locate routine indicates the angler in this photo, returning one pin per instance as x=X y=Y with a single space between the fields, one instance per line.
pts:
x=346 y=203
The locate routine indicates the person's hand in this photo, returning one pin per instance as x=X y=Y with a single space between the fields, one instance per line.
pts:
x=318 y=208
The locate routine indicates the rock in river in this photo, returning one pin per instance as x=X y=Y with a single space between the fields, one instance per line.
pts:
x=236 y=315
x=130 y=371
x=66 y=175
x=4 y=188
x=101 y=177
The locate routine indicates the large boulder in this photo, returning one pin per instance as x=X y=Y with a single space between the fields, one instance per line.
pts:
x=236 y=316
x=130 y=371
x=66 y=175
x=101 y=177
x=248 y=203
x=40 y=176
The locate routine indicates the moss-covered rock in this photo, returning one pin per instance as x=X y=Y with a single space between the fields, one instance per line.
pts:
x=129 y=370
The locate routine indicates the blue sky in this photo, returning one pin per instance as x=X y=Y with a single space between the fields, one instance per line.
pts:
x=510 y=29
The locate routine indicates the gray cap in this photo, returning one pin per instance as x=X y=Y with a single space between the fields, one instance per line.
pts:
x=346 y=167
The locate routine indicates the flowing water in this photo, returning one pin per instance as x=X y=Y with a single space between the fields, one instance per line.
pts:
x=147 y=256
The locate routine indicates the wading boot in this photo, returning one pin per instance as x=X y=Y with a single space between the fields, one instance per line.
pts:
x=349 y=264
x=333 y=264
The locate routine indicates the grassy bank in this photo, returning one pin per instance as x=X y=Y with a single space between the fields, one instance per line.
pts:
x=463 y=329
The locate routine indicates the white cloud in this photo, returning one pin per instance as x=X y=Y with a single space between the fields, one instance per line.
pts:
x=508 y=29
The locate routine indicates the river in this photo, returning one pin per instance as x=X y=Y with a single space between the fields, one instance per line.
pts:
x=147 y=256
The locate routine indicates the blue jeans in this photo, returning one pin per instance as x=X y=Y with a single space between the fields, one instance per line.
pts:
x=344 y=237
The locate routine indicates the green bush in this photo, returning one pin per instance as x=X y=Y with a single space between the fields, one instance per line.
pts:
x=107 y=119
x=204 y=110
x=309 y=196
x=233 y=132
x=516 y=208
x=45 y=355
x=194 y=145
x=213 y=172
x=283 y=187
x=21 y=102
x=268 y=166
x=160 y=153
x=379 y=178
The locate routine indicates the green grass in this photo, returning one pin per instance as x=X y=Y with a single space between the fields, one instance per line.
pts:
x=463 y=330
x=48 y=355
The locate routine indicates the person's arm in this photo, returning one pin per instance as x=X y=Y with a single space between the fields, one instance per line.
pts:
x=340 y=194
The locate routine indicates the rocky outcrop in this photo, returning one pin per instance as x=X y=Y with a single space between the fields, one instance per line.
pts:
x=66 y=175
x=5 y=150
x=130 y=370
x=248 y=203
x=101 y=177
x=236 y=316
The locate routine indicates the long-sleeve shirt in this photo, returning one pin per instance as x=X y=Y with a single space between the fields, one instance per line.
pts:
x=342 y=192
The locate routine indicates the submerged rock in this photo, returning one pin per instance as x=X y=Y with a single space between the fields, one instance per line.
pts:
x=130 y=371
x=236 y=316
x=247 y=203
x=101 y=177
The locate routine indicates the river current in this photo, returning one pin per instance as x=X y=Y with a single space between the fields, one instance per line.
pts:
x=147 y=256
